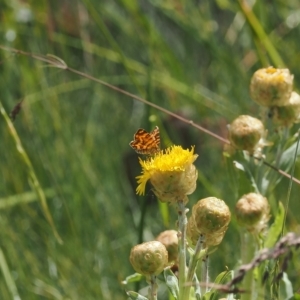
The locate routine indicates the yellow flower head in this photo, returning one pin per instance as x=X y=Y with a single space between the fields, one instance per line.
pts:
x=171 y=173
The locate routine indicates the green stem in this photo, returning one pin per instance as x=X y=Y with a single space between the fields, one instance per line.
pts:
x=152 y=292
x=33 y=179
x=204 y=274
x=182 y=222
x=260 y=33
x=8 y=277
x=198 y=254
x=247 y=253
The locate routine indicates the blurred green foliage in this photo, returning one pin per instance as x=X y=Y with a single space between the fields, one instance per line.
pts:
x=194 y=58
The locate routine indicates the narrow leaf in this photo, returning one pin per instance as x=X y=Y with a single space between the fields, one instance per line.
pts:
x=275 y=228
x=135 y=296
x=171 y=282
x=248 y=174
x=220 y=279
x=132 y=278
x=8 y=277
x=288 y=286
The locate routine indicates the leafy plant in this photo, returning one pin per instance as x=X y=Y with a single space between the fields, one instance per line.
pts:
x=68 y=209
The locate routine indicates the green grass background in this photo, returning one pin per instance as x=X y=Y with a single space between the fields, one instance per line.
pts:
x=194 y=58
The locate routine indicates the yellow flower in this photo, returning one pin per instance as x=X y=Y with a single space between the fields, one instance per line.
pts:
x=171 y=173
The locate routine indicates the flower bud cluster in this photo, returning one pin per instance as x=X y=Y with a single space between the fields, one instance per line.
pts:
x=210 y=218
x=252 y=212
x=273 y=88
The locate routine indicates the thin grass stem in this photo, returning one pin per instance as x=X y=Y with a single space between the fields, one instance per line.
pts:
x=35 y=184
x=260 y=33
x=8 y=278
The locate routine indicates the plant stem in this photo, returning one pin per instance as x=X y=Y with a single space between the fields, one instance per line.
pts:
x=7 y=277
x=204 y=274
x=199 y=253
x=152 y=292
x=182 y=222
x=260 y=33
x=33 y=179
x=248 y=247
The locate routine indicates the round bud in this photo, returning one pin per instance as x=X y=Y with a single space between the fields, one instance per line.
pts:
x=149 y=258
x=214 y=239
x=288 y=114
x=252 y=211
x=271 y=86
x=192 y=232
x=169 y=239
x=245 y=132
x=211 y=215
